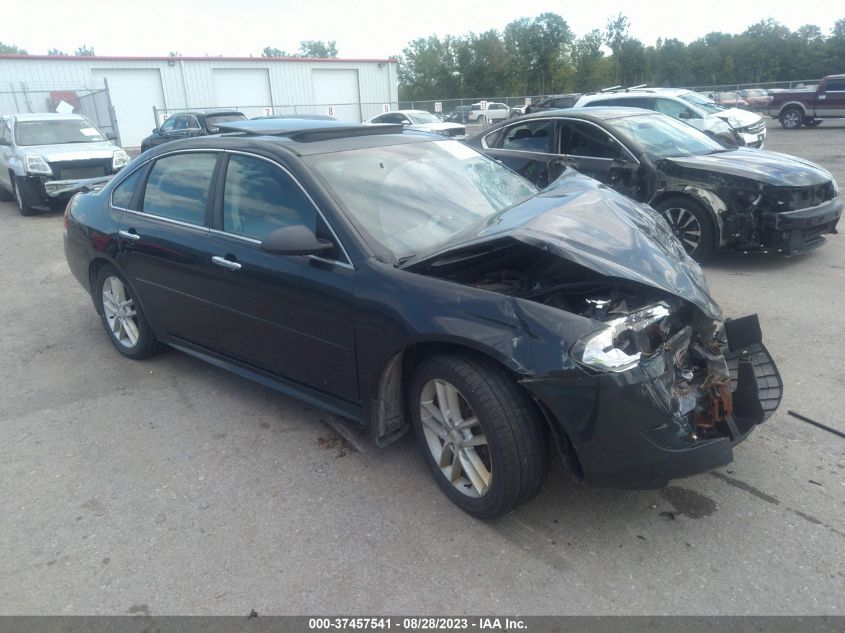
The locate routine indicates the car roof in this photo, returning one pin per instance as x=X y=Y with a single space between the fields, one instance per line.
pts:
x=207 y=112
x=302 y=137
x=601 y=113
x=46 y=116
x=636 y=92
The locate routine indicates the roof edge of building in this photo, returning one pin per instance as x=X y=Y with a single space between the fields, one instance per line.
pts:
x=118 y=58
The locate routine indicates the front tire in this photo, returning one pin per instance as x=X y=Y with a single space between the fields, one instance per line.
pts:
x=23 y=196
x=791 y=118
x=481 y=436
x=122 y=316
x=691 y=224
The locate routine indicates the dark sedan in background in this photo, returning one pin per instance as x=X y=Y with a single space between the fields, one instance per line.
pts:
x=404 y=280
x=712 y=196
x=189 y=125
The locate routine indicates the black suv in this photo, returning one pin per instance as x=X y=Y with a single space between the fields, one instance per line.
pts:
x=188 y=125
x=404 y=281
x=712 y=197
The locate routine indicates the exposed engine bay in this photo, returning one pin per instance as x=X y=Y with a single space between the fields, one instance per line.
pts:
x=695 y=373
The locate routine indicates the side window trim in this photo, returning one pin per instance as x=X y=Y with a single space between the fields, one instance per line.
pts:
x=217 y=218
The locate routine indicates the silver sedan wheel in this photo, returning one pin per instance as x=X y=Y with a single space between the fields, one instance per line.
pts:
x=455 y=438
x=119 y=310
x=685 y=226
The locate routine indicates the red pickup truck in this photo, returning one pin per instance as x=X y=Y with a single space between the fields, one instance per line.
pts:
x=809 y=107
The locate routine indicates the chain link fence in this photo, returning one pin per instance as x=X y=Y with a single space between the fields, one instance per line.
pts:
x=92 y=102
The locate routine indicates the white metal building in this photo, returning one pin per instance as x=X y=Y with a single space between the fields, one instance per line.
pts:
x=354 y=89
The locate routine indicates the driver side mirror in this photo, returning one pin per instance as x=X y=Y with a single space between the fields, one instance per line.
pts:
x=683 y=114
x=111 y=136
x=296 y=239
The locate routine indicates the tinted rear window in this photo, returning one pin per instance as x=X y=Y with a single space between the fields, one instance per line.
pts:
x=177 y=187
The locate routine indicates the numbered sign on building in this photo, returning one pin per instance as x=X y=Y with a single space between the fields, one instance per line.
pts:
x=483 y=105
x=330 y=110
x=438 y=106
x=268 y=111
x=385 y=107
x=527 y=101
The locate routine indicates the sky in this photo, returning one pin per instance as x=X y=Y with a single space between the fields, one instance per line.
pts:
x=361 y=28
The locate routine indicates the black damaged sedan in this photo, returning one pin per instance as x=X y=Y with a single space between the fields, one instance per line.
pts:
x=403 y=280
x=713 y=197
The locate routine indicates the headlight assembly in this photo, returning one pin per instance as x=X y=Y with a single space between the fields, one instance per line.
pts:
x=620 y=345
x=37 y=165
x=119 y=159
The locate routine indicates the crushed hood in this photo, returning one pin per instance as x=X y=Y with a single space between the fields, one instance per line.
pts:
x=738 y=117
x=582 y=221
x=755 y=164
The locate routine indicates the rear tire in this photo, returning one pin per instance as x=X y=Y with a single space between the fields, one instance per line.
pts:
x=122 y=316
x=481 y=436
x=691 y=224
x=791 y=118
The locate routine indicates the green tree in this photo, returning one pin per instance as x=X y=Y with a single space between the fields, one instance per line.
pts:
x=56 y=52
x=11 y=49
x=85 y=51
x=318 y=48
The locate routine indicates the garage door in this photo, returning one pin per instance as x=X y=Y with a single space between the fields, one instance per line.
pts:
x=134 y=92
x=338 y=88
x=246 y=89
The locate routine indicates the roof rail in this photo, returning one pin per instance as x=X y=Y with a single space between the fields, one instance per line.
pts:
x=636 y=87
x=611 y=89
x=307 y=130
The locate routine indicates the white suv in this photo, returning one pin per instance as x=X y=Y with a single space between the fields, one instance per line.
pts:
x=689 y=106
x=495 y=112
x=46 y=157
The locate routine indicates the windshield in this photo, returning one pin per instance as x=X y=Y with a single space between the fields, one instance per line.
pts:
x=57 y=131
x=414 y=198
x=422 y=117
x=708 y=105
x=661 y=136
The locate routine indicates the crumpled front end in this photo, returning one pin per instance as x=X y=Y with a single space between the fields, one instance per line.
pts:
x=671 y=392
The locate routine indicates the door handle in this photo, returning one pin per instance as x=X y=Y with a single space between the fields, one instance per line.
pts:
x=132 y=237
x=226 y=263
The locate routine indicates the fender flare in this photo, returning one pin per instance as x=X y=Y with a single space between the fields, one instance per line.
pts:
x=706 y=198
x=792 y=104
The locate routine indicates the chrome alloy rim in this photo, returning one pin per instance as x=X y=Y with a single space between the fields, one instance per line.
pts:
x=792 y=119
x=120 y=313
x=454 y=436
x=685 y=226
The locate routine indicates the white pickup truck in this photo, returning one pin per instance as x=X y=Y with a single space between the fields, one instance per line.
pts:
x=488 y=111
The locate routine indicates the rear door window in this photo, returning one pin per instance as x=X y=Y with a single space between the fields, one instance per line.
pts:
x=178 y=187
x=533 y=136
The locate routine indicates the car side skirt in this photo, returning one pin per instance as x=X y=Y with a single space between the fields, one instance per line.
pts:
x=314 y=397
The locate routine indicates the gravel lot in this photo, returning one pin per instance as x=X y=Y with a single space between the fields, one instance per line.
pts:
x=171 y=487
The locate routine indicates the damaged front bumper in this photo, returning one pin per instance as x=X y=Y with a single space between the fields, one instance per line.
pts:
x=46 y=191
x=640 y=428
x=797 y=231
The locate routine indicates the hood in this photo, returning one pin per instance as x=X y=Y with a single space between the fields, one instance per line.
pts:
x=71 y=151
x=759 y=165
x=738 y=118
x=582 y=221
